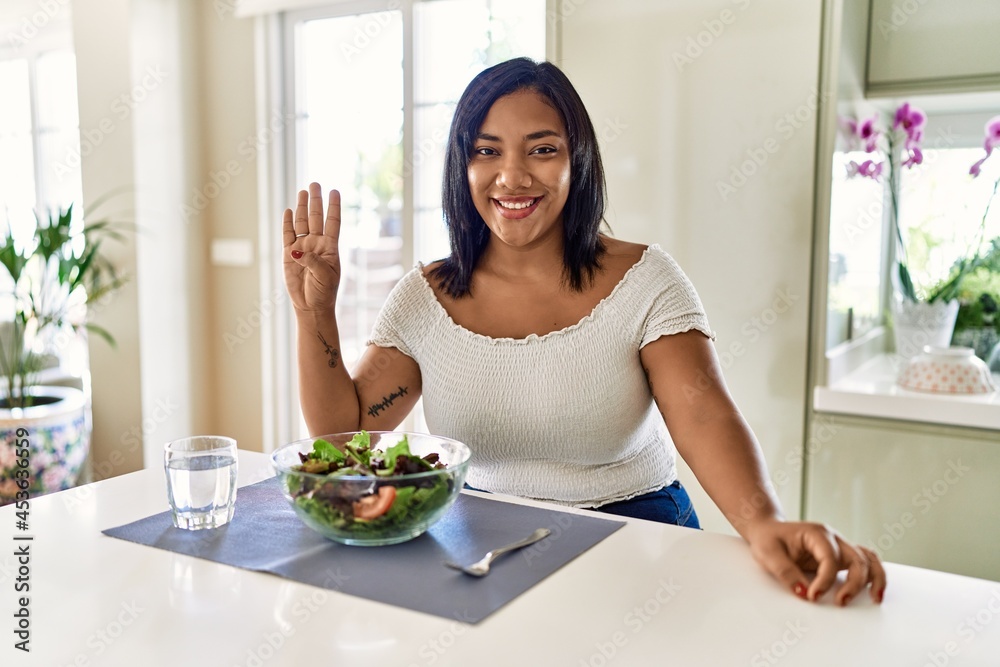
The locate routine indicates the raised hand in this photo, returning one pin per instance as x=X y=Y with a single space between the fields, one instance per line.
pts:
x=310 y=250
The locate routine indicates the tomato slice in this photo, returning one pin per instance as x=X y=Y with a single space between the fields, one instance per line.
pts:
x=375 y=505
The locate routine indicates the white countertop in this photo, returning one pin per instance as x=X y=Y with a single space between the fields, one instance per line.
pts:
x=650 y=594
x=871 y=391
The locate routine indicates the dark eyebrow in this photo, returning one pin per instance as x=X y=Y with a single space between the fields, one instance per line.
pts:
x=541 y=134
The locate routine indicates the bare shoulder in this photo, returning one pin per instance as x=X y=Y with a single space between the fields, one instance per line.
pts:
x=429 y=275
x=429 y=269
x=621 y=255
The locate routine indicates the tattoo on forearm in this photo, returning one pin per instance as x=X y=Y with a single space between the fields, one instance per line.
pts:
x=386 y=401
x=333 y=352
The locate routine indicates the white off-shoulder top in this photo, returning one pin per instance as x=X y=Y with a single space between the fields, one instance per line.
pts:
x=567 y=417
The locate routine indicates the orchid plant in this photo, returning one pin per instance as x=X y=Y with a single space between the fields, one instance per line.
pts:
x=898 y=148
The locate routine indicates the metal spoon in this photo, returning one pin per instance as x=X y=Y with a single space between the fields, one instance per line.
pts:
x=482 y=567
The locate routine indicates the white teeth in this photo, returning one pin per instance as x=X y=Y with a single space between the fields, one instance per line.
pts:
x=516 y=205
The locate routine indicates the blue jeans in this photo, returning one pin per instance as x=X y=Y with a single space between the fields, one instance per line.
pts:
x=671 y=504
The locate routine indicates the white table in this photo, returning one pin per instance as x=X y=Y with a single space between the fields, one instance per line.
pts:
x=648 y=595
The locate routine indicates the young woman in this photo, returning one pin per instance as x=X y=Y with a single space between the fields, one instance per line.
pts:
x=572 y=363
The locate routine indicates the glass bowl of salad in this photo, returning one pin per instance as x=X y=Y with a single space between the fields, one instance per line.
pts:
x=371 y=488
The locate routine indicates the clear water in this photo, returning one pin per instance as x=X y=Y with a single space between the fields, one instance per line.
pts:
x=202 y=490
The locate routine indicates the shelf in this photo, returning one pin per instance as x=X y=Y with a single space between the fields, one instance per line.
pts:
x=871 y=391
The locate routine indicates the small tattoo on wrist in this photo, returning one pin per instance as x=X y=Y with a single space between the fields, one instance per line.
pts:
x=333 y=352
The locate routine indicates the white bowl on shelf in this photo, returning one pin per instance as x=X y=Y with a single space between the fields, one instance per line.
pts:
x=947 y=370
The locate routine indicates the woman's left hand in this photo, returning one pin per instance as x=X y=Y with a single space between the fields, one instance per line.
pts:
x=791 y=549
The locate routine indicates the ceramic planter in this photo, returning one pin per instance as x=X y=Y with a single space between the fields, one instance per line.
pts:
x=916 y=324
x=58 y=441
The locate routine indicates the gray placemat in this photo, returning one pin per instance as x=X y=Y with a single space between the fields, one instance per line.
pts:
x=266 y=535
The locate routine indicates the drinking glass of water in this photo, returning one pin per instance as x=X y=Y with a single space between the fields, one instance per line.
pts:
x=201 y=480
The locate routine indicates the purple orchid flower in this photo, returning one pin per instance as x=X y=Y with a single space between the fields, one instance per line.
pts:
x=977 y=167
x=991 y=142
x=911 y=120
x=913 y=140
x=868 y=134
x=848 y=127
x=992 y=133
x=867 y=169
x=914 y=157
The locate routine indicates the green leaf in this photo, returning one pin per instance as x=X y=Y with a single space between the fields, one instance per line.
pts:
x=101 y=332
x=401 y=448
x=359 y=448
x=905 y=284
x=11 y=260
x=361 y=440
x=326 y=451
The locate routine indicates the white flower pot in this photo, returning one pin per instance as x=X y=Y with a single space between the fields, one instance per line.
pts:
x=916 y=324
x=58 y=439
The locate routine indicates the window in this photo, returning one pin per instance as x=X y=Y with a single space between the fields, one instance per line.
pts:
x=455 y=40
x=941 y=208
x=857 y=262
x=39 y=132
x=349 y=136
x=376 y=130
x=39 y=146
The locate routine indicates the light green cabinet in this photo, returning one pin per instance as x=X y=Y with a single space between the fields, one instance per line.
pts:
x=919 y=495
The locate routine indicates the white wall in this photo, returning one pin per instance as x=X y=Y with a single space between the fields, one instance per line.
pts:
x=176 y=396
x=228 y=160
x=685 y=94
x=101 y=36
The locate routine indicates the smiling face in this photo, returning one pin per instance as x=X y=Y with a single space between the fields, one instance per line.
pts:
x=519 y=170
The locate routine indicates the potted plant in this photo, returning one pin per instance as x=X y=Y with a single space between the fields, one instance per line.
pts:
x=920 y=316
x=978 y=287
x=53 y=277
x=978 y=322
